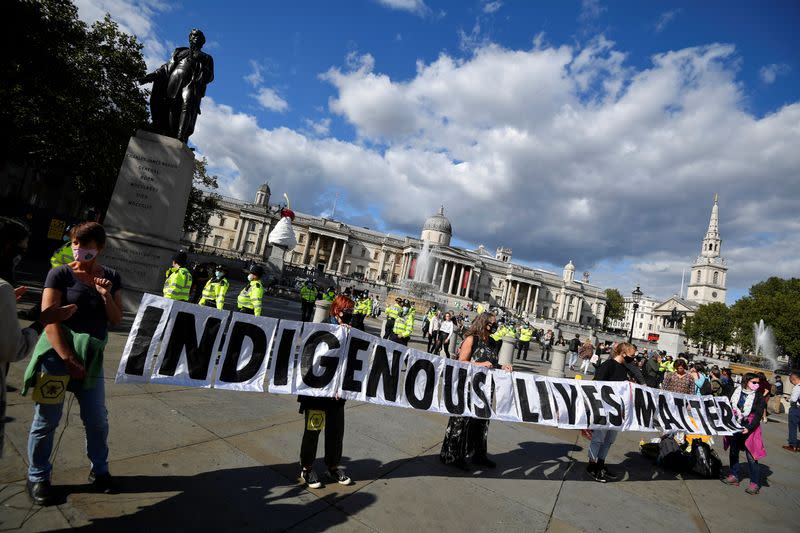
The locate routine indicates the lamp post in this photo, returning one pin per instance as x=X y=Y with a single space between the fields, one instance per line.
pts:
x=636 y=295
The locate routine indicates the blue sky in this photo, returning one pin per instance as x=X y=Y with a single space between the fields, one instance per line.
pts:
x=591 y=131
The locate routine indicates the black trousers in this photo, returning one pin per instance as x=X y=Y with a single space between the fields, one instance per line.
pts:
x=441 y=343
x=246 y=311
x=433 y=338
x=306 y=310
x=399 y=340
x=522 y=349
x=334 y=435
x=389 y=328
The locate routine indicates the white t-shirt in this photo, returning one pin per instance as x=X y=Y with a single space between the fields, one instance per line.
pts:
x=446 y=327
x=795 y=397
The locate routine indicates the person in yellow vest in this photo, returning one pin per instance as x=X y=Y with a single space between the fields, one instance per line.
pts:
x=308 y=295
x=392 y=312
x=404 y=324
x=178 y=278
x=329 y=295
x=63 y=256
x=362 y=309
x=215 y=290
x=525 y=336
x=250 y=297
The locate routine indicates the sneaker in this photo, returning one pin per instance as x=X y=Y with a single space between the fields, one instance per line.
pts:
x=40 y=492
x=484 y=461
x=310 y=479
x=610 y=476
x=103 y=483
x=730 y=479
x=752 y=489
x=338 y=475
x=790 y=448
x=595 y=473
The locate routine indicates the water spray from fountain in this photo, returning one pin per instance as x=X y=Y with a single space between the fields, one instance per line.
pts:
x=764 y=344
x=423 y=263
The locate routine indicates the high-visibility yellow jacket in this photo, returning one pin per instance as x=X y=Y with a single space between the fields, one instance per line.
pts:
x=525 y=334
x=363 y=306
x=666 y=366
x=392 y=312
x=215 y=290
x=177 y=284
x=62 y=256
x=309 y=294
x=404 y=325
x=329 y=295
x=250 y=297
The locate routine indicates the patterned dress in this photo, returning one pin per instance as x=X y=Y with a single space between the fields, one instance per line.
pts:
x=465 y=435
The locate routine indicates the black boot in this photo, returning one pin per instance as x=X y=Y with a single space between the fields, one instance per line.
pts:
x=594 y=472
x=40 y=492
x=601 y=465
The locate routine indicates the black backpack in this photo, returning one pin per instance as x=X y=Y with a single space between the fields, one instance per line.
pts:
x=705 y=388
x=705 y=461
x=671 y=457
x=574 y=344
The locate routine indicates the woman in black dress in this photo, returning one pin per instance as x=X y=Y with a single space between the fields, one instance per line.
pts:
x=466 y=435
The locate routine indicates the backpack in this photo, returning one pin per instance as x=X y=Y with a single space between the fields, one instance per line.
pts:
x=671 y=457
x=705 y=461
x=705 y=388
x=574 y=344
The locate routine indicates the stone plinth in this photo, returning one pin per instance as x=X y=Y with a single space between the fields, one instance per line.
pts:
x=559 y=359
x=145 y=217
x=671 y=340
x=322 y=309
x=506 y=355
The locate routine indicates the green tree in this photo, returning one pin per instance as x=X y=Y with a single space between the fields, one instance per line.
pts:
x=201 y=204
x=710 y=325
x=70 y=97
x=776 y=301
x=615 y=306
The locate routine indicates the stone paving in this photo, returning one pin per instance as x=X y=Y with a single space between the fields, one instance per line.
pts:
x=194 y=459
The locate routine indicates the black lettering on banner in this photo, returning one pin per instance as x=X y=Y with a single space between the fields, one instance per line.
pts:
x=528 y=415
x=544 y=400
x=596 y=406
x=679 y=403
x=184 y=336
x=458 y=407
x=141 y=343
x=417 y=367
x=712 y=415
x=644 y=407
x=610 y=398
x=329 y=363
x=698 y=412
x=478 y=381
x=240 y=331
x=354 y=364
x=668 y=420
x=570 y=400
x=726 y=415
x=283 y=355
x=381 y=372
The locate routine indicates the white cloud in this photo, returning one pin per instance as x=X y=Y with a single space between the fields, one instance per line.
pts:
x=270 y=100
x=320 y=128
x=417 y=7
x=769 y=73
x=590 y=10
x=665 y=18
x=255 y=78
x=492 y=7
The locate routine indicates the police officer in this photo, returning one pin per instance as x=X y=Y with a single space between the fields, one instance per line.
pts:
x=404 y=324
x=392 y=312
x=251 y=295
x=329 y=295
x=63 y=256
x=308 y=295
x=525 y=335
x=215 y=290
x=178 y=279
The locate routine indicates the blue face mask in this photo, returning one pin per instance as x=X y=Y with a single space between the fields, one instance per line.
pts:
x=219 y=273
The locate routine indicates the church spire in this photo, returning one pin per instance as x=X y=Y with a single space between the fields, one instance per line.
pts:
x=712 y=241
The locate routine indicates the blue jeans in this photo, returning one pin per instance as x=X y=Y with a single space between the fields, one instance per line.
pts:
x=736 y=446
x=46 y=417
x=602 y=439
x=573 y=358
x=794 y=423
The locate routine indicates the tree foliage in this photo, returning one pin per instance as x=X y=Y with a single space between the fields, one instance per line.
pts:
x=201 y=205
x=70 y=97
x=615 y=306
x=776 y=301
x=711 y=324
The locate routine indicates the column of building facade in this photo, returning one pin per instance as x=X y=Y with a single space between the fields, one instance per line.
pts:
x=435 y=270
x=452 y=278
x=316 y=252
x=329 y=266
x=444 y=276
x=527 y=300
x=340 y=266
x=261 y=247
x=239 y=233
x=382 y=262
x=469 y=283
x=535 y=300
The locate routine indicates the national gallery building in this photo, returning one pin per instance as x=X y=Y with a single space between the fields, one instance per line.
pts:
x=240 y=230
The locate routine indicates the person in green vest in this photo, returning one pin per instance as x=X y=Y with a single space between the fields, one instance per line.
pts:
x=308 y=295
x=250 y=297
x=63 y=255
x=215 y=290
x=178 y=278
x=392 y=312
x=362 y=309
x=404 y=324
x=525 y=336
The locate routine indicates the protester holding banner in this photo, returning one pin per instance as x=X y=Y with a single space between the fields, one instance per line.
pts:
x=467 y=435
x=749 y=406
x=70 y=357
x=328 y=414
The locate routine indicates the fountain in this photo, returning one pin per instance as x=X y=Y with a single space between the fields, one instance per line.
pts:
x=764 y=345
x=423 y=292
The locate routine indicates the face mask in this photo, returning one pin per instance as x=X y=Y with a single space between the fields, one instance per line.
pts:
x=492 y=327
x=346 y=316
x=219 y=273
x=83 y=254
x=66 y=238
x=251 y=277
x=753 y=386
x=405 y=310
x=629 y=359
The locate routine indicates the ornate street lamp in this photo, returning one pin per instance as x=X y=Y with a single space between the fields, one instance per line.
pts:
x=636 y=296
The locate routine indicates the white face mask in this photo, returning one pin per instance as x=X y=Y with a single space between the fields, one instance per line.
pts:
x=251 y=277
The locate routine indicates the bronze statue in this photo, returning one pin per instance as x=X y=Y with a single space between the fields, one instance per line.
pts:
x=178 y=87
x=675 y=318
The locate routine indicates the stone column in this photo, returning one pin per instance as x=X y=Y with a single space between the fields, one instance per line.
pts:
x=322 y=310
x=506 y=355
x=444 y=275
x=528 y=300
x=316 y=252
x=340 y=268
x=452 y=279
x=239 y=233
x=535 y=300
x=307 y=250
x=469 y=284
x=435 y=270
x=330 y=256
x=505 y=293
x=559 y=358
x=516 y=296
x=460 y=281
x=382 y=263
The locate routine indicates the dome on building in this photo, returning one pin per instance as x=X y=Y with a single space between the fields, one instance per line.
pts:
x=438 y=222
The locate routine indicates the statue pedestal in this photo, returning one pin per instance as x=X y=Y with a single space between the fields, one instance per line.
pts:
x=672 y=340
x=322 y=310
x=274 y=266
x=144 y=220
x=506 y=355
x=559 y=354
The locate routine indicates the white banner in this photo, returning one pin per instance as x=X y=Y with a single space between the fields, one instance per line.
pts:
x=326 y=360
